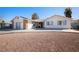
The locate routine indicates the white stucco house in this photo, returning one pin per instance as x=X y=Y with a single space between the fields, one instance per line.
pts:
x=53 y=22
x=57 y=22
x=75 y=24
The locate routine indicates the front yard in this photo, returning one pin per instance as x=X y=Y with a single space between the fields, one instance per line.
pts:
x=39 y=41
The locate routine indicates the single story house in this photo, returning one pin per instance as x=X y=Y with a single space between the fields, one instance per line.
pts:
x=75 y=24
x=5 y=24
x=53 y=22
x=57 y=22
x=8 y=25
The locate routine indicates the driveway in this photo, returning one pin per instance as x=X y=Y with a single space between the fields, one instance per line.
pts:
x=39 y=41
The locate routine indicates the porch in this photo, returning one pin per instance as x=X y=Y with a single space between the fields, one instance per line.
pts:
x=37 y=25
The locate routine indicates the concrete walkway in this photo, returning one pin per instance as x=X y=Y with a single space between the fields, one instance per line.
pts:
x=32 y=30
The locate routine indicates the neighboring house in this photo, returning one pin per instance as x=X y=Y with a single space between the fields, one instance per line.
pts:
x=53 y=22
x=4 y=24
x=75 y=24
x=8 y=25
x=57 y=22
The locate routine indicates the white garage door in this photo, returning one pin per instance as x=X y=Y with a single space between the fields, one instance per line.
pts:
x=18 y=25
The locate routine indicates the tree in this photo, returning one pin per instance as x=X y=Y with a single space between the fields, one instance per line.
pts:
x=68 y=12
x=35 y=16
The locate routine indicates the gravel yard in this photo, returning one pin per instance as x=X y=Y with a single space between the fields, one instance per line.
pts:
x=39 y=42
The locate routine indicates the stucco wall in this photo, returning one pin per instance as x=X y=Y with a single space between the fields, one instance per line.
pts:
x=55 y=19
x=30 y=25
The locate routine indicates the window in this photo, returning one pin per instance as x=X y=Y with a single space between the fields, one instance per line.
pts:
x=49 y=22
x=59 y=22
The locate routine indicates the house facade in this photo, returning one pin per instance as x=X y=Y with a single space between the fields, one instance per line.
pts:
x=53 y=22
x=75 y=24
x=57 y=22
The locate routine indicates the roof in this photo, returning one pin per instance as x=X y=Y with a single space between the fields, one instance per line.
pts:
x=20 y=17
x=57 y=16
x=23 y=17
x=37 y=20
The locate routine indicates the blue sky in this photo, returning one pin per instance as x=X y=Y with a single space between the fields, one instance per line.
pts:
x=8 y=13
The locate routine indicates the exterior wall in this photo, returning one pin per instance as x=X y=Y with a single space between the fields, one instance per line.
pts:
x=30 y=25
x=12 y=24
x=17 y=20
x=75 y=24
x=25 y=24
x=55 y=19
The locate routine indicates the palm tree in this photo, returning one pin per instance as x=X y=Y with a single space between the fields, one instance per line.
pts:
x=68 y=12
x=35 y=16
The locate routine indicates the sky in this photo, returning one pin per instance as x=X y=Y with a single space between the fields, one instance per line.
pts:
x=8 y=13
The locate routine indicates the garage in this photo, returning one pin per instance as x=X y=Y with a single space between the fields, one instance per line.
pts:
x=18 y=25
